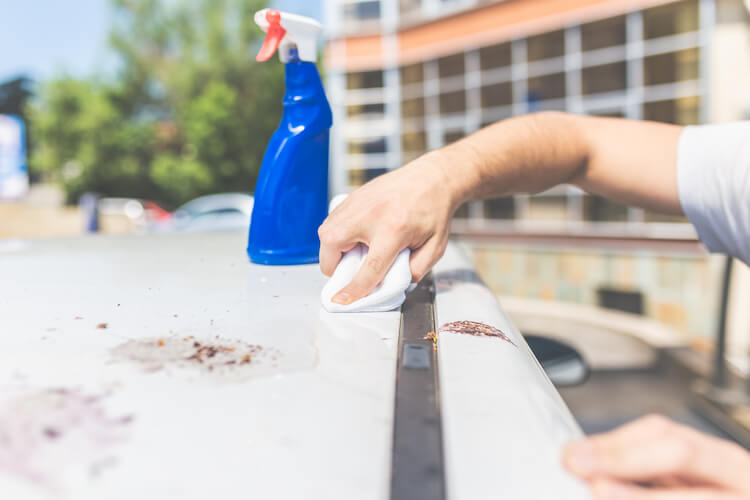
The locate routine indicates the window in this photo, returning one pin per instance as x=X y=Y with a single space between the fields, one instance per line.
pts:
x=413 y=73
x=605 y=78
x=602 y=34
x=495 y=56
x=500 y=208
x=671 y=19
x=500 y=94
x=408 y=6
x=650 y=216
x=451 y=65
x=684 y=111
x=609 y=114
x=462 y=212
x=366 y=10
x=414 y=142
x=545 y=46
x=359 y=176
x=364 y=80
x=453 y=136
x=492 y=116
x=548 y=207
x=453 y=102
x=598 y=209
x=412 y=108
x=368 y=146
x=366 y=111
x=672 y=67
x=545 y=87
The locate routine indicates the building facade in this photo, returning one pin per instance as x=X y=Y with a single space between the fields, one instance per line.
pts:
x=408 y=76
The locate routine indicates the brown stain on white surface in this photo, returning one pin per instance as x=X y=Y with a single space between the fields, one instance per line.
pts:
x=474 y=328
x=222 y=359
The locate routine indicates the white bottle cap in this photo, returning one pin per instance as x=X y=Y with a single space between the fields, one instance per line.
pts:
x=298 y=31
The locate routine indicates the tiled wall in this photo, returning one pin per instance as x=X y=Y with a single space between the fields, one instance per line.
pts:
x=680 y=290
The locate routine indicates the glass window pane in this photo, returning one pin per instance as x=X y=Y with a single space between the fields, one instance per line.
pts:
x=453 y=102
x=412 y=108
x=462 y=212
x=500 y=208
x=548 y=207
x=364 y=80
x=449 y=137
x=408 y=6
x=413 y=73
x=605 y=78
x=500 y=94
x=545 y=46
x=545 y=87
x=414 y=142
x=362 y=11
x=495 y=56
x=670 y=19
x=359 y=176
x=490 y=118
x=609 y=114
x=451 y=65
x=601 y=34
x=376 y=145
x=598 y=209
x=650 y=216
x=672 y=67
x=684 y=111
x=366 y=110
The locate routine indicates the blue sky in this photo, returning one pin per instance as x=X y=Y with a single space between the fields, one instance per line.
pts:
x=45 y=38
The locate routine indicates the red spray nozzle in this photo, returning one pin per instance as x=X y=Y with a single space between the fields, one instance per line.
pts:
x=274 y=34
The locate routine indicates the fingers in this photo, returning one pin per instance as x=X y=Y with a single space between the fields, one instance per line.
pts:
x=654 y=447
x=605 y=489
x=329 y=258
x=379 y=259
x=334 y=241
x=423 y=258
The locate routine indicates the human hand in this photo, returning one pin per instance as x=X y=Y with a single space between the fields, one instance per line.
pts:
x=654 y=458
x=408 y=208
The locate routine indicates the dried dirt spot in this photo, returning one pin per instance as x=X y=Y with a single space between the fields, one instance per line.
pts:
x=473 y=328
x=217 y=356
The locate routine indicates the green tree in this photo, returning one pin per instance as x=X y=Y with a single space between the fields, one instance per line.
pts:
x=189 y=113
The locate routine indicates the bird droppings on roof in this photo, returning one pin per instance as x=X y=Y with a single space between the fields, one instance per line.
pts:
x=473 y=328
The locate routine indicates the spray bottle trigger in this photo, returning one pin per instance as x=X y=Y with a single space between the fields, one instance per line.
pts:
x=274 y=34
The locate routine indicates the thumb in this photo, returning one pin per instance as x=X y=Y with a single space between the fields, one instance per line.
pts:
x=378 y=261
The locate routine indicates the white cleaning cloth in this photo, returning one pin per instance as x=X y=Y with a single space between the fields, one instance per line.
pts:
x=388 y=295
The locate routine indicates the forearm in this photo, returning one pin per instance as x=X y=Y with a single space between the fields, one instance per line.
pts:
x=630 y=162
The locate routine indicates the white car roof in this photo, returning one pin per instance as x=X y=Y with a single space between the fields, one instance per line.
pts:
x=100 y=398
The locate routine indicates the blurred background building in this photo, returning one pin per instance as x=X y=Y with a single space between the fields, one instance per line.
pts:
x=408 y=76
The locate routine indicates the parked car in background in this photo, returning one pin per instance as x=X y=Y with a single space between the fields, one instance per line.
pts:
x=141 y=214
x=214 y=212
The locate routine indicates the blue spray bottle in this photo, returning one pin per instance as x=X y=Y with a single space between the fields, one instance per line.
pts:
x=291 y=195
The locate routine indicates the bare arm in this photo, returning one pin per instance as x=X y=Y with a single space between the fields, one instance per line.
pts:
x=630 y=162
